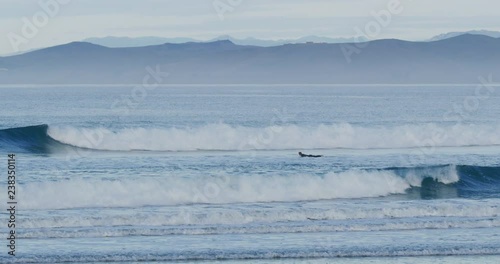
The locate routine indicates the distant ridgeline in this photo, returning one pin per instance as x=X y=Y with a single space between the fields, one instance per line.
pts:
x=461 y=59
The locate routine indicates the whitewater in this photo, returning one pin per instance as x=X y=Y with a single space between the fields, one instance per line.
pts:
x=210 y=174
x=226 y=137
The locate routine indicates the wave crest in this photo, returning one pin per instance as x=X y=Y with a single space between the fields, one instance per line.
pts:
x=48 y=139
x=175 y=190
x=226 y=137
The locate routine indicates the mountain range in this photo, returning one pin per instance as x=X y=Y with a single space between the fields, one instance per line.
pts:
x=493 y=34
x=461 y=59
x=121 y=42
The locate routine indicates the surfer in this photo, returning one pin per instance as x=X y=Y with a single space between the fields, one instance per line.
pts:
x=302 y=155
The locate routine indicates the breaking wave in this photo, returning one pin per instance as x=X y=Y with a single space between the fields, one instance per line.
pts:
x=48 y=139
x=413 y=183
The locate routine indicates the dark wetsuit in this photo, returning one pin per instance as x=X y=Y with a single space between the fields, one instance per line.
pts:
x=302 y=155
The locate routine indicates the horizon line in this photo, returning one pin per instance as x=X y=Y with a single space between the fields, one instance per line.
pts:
x=496 y=84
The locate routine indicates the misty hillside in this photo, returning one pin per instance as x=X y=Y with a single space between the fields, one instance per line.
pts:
x=460 y=59
x=493 y=34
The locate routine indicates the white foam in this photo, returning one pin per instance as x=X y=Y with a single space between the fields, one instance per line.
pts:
x=315 y=216
x=175 y=189
x=226 y=137
x=445 y=174
x=325 y=254
x=144 y=228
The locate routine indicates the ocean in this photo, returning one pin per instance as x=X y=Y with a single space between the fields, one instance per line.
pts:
x=195 y=174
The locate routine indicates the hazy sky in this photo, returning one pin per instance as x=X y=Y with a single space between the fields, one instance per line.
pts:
x=70 y=20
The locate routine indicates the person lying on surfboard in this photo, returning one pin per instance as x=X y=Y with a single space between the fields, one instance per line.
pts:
x=302 y=155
